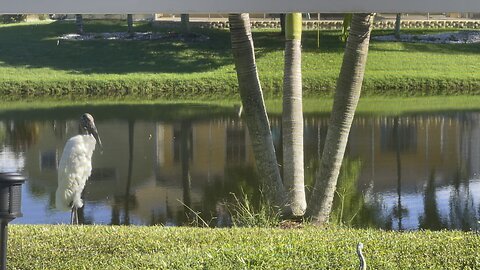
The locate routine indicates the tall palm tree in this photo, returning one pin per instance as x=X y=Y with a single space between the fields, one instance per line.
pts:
x=347 y=93
x=292 y=119
x=254 y=107
x=79 y=23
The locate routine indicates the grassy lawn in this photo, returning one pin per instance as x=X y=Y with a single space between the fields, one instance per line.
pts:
x=33 y=65
x=119 y=247
x=42 y=74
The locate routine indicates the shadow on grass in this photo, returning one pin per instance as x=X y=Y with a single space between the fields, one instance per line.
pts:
x=35 y=46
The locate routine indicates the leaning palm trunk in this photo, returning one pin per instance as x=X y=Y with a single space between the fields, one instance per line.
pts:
x=345 y=102
x=79 y=23
x=292 y=119
x=254 y=107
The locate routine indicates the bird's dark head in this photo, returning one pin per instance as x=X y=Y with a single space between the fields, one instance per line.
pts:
x=87 y=126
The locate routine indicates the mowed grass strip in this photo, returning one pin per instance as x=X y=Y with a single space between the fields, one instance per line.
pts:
x=189 y=108
x=120 y=247
x=35 y=63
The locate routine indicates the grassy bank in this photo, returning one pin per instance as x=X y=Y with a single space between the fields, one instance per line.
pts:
x=176 y=109
x=35 y=64
x=113 y=247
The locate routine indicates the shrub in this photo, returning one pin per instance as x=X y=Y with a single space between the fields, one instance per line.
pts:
x=13 y=18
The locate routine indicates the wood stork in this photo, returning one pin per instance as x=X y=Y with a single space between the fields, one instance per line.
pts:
x=76 y=166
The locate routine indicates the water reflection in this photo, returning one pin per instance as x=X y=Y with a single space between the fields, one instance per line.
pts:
x=401 y=173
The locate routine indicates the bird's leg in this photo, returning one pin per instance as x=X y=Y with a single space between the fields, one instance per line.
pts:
x=74 y=216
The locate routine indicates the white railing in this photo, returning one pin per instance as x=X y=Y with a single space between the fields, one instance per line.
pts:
x=236 y=6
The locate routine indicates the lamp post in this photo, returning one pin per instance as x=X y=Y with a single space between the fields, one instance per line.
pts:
x=10 y=208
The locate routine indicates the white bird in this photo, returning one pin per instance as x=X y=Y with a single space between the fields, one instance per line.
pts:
x=76 y=166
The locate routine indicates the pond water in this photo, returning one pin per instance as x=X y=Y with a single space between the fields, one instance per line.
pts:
x=161 y=163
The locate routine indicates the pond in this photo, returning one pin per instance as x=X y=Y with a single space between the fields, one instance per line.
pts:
x=168 y=164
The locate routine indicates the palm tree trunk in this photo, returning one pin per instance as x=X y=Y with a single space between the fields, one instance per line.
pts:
x=185 y=21
x=282 y=24
x=292 y=120
x=347 y=93
x=130 y=23
x=398 y=21
x=79 y=23
x=254 y=108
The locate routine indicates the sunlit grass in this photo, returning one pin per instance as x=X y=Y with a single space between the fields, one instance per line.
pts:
x=367 y=105
x=390 y=105
x=122 y=247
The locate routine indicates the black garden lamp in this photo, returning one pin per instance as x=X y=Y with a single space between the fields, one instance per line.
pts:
x=10 y=208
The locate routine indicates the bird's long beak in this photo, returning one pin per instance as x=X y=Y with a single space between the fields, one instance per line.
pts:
x=94 y=131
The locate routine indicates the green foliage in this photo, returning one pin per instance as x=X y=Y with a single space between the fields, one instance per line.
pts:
x=107 y=88
x=347 y=202
x=347 y=22
x=244 y=213
x=349 y=206
x=119 y=247
x=42 y=17
x=3 y=132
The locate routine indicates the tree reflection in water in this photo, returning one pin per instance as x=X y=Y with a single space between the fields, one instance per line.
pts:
x=349 y=206
x=404 y=172
x=463 y=214
x=21 y=135
x=431 y=219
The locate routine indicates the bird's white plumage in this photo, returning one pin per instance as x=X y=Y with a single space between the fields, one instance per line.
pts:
x=73 y=171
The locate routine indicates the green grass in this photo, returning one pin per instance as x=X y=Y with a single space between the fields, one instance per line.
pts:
x=177 y=109
x=114 y=247
x=33 y=66
x=388 y=105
